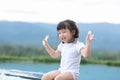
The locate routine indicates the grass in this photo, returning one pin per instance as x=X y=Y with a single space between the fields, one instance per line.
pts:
x=100 y=61
x=48 y=59
x=39 y=59
x=11 y=53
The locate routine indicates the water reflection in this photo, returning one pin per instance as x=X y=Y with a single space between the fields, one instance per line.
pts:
x=87 y=72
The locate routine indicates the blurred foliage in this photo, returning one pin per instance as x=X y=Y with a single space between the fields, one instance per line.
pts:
x=9 y=50
x=12 y=53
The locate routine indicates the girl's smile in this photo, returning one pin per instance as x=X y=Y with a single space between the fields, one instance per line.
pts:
x=65 y=35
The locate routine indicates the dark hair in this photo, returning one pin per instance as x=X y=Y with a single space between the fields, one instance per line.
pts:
x=69 y=24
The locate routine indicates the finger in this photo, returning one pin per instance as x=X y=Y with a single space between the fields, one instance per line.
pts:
x=89 y=32
x=46 y=38
x=43 y=42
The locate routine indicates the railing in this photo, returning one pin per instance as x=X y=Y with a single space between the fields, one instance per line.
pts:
x=19 y=75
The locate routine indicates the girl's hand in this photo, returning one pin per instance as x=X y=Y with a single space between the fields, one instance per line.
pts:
x=90 y=36
x=45 y=41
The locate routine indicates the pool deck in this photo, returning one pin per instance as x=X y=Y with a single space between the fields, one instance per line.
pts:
x=19 y=75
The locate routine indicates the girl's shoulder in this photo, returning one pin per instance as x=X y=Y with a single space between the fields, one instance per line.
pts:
x=60 y=46
x=78 y=43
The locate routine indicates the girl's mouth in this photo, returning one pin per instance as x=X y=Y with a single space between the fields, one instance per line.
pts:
x=63 y=39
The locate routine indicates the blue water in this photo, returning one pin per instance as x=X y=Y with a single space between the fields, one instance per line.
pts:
x=87 y=72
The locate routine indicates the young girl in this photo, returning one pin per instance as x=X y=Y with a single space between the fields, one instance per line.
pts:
x=70 y=50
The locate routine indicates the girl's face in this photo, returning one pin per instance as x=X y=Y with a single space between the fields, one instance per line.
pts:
x=65 y=35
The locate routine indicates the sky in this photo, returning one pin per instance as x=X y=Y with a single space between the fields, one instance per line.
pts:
x=54 y=11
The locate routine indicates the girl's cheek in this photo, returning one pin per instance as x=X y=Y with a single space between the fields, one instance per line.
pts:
x=59 y=37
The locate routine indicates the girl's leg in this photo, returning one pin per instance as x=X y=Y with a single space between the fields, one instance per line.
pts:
x=64 y=76
x=50 y=75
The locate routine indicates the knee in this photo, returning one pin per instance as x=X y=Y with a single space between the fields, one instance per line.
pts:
x=44 y=77
x=58 y=78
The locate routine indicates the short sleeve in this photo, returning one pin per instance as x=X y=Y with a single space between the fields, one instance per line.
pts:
x=59 y=47
x=80 y=46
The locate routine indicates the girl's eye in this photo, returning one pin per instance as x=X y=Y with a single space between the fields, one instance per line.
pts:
x=63 y=31
x=59 y=33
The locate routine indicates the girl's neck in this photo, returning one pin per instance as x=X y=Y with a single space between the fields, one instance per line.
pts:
x=72 y=41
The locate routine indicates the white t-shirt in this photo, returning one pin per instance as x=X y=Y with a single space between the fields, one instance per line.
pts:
x=70 y=56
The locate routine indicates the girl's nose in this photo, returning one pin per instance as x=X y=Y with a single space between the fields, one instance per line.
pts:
x=61 y=35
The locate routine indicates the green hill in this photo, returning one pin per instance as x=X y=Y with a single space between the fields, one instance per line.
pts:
x=31 y=34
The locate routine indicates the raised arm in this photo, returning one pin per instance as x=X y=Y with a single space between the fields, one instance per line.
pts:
x=53 y=53
x=86 y=51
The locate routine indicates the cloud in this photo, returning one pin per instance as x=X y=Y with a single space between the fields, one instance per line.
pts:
x=57 y=10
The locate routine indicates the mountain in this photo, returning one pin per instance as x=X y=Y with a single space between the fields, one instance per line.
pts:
x=31 y=34
x=25 y=33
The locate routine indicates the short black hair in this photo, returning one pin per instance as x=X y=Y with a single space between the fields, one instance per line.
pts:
x=69 y=24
